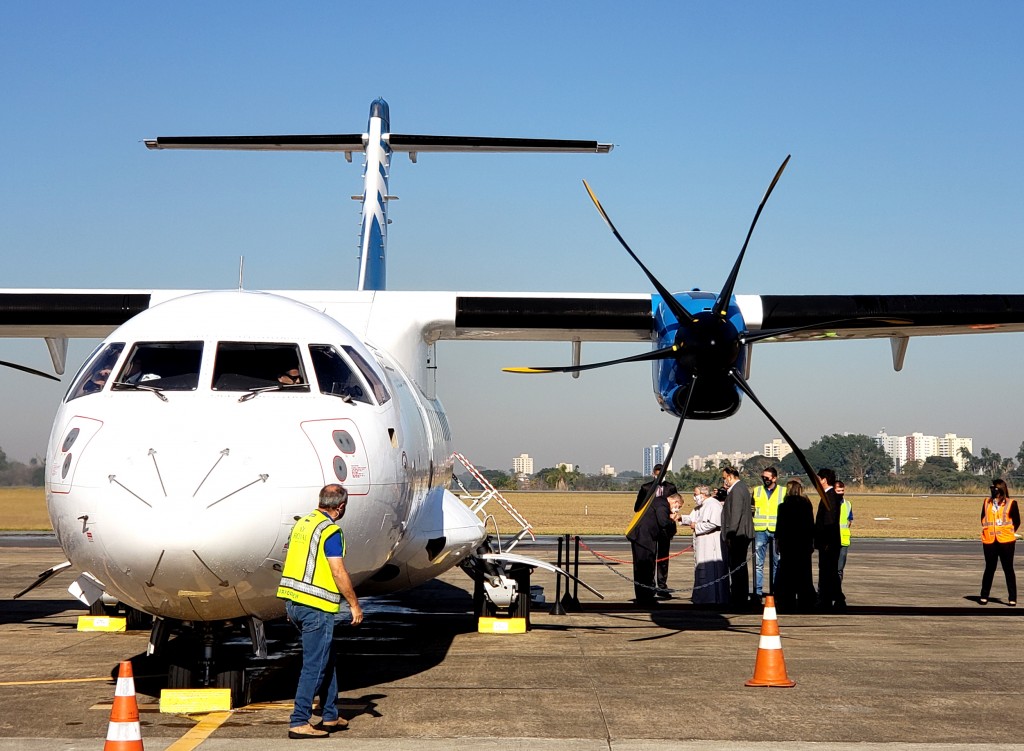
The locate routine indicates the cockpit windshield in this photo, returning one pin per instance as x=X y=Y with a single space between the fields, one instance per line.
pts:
x=336 y=375
x=245 y=366
x=161 y=366
x=95 y=375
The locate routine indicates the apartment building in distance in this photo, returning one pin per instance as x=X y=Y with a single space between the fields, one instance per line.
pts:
x=522 y=465
x=777 y=449
x=918 y=447
x=656 y=455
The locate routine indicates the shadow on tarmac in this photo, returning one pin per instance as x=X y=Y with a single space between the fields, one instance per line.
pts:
x=399 y=638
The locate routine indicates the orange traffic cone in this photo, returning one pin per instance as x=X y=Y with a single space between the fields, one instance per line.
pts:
x=123 y=732
x=770 y=667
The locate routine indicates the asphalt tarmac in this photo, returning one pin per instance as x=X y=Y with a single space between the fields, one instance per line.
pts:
x=912 y=661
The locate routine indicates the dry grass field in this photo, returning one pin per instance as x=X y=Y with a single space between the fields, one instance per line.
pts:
x=24 y=509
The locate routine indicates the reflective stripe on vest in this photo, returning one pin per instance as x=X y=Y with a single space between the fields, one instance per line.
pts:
x=766 y=508
x=307 y=577
x=997 y=526
x=844 y=523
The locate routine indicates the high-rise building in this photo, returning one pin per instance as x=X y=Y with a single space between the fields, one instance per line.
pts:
x=656 y=455
x=777 y=449
x=950 y=445
x=523 y=464
x=608 y=470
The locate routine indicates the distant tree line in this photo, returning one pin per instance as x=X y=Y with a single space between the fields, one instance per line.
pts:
x=857 y=460
x=14 y=473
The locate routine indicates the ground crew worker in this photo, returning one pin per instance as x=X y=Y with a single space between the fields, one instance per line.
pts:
x=767 y=497
x=1000 y=519
x=845 y=520
x=313 y=582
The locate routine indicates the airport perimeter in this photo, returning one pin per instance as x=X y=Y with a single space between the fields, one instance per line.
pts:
x=913 y=661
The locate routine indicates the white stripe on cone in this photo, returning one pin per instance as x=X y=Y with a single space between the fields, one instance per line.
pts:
x=124 y=731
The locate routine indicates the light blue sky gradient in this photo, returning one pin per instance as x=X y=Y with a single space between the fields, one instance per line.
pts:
x=904 y=121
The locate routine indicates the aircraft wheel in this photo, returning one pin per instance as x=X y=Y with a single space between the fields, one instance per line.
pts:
x=482 y=607
x=179 y=676
x=136 y=620
x=98 y=608
x=521 y=607
x=234 y=680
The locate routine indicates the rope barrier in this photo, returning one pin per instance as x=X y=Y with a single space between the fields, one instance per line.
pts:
x=635 y=583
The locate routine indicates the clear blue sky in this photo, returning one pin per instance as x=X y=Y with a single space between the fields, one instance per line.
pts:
x=904 y=121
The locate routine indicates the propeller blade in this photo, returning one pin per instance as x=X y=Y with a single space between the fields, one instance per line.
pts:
x=26 y=369
x=749 y=338
x=666 y=461
x=674 y=305
x=722 y=303
x=658 y=354
x=812 y=475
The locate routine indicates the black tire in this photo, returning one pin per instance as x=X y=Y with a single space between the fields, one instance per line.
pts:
x=179 y=676
x=235 y=680
x=98 y=608
x=136 y=620
x=482 y=607
x=521 y=607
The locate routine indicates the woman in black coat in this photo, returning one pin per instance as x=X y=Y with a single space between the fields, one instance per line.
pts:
x=794 y=534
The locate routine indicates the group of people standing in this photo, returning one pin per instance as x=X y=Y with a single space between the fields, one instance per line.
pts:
x=781 y=524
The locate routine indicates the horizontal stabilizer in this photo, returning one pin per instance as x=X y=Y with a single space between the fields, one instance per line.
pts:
x=335 y=142
x=402 y=142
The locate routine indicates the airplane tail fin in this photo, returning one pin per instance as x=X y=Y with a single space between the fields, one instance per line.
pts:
x=377 y=145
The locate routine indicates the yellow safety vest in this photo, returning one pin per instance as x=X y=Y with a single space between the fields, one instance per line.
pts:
x=766 y=508
x=307 y=577
x=844 y=523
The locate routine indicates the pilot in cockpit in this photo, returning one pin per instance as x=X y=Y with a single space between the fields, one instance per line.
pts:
x=290 y=377
x=96 y=380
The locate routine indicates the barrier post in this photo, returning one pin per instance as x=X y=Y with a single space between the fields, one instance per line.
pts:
x=557 y=608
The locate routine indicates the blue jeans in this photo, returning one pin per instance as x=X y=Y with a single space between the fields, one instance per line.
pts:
x=760 y=550
x=842 y=559
x=318 y=676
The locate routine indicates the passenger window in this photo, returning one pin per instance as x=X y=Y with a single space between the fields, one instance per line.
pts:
x=335 y=376
x=165 y=366
x=94 y=375
x=380 y=391
x=244 y=366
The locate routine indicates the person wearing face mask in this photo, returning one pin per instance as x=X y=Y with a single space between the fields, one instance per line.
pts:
x=1000 y=519
x=313 y=596
x=710 y=574
x=767 y=496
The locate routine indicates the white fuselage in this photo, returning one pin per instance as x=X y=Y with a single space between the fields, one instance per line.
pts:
x=182 y=506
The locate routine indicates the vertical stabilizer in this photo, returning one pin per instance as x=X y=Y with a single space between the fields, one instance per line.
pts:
x=373 y=234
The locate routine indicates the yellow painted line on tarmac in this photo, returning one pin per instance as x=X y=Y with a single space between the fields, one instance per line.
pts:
x=57 y=680
x=203 y=729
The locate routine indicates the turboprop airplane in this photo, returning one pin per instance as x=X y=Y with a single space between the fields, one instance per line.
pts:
x=205 y=422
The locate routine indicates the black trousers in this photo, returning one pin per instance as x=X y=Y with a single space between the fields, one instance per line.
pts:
x=1002 y=552
x=664 y=547
x=643 y=571
x=830 y=586
x=739 y=579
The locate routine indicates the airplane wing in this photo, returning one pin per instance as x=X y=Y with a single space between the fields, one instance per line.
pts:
x=58 y=315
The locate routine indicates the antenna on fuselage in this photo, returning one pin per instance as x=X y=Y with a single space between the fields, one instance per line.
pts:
x=241 y=273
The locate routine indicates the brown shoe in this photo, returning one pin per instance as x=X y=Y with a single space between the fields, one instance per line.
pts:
x=332 y=726
x=306 y=731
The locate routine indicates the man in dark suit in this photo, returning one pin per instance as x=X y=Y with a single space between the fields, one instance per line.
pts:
x=664 y=489
x=644 y=538
x=737 y=532
x=828 y=543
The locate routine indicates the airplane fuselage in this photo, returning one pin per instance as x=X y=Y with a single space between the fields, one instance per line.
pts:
x=177 y=481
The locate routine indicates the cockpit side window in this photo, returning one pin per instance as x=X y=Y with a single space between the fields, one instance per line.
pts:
x=95 y=374
x=167 y=366
x=243 y=366
x=335 y=375
x=380 y=391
